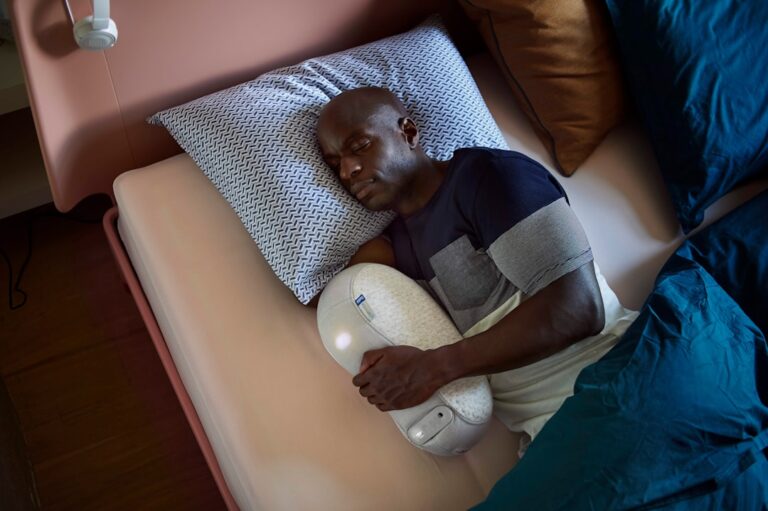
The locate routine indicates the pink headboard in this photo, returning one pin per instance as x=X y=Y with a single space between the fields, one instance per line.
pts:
x=90 y=107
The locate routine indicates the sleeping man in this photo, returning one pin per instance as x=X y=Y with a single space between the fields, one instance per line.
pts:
x=491 y=236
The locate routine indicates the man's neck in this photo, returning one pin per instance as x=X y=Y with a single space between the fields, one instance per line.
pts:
x=426 y=181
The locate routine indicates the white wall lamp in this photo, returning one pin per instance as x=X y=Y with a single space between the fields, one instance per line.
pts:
x=96 y=32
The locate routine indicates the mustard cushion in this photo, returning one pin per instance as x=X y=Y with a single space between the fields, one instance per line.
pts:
x=559 y=59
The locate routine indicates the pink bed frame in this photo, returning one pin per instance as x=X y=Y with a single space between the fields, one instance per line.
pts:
x=132 y=282
x=90 y=107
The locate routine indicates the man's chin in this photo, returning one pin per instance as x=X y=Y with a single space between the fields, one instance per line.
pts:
x=372 y=204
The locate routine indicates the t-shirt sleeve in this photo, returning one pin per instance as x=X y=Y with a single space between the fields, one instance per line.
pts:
x=526 y=225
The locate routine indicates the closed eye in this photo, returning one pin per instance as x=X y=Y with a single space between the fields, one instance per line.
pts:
x=361 y=146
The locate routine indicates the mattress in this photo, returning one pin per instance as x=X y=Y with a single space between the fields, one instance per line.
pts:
x=288 y=428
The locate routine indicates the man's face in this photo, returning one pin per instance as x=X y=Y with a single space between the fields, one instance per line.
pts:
x=368 y=151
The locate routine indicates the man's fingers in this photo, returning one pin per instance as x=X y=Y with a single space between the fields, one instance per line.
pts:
x=366 y=391
x=369 y=359
x=375 y=400
x=361 y=380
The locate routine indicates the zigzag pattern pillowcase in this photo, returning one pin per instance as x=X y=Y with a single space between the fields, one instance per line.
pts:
x=256 y=143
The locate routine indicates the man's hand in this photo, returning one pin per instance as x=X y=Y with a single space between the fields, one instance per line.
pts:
x=398 y=377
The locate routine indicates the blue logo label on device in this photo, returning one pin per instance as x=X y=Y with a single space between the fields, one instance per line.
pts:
x=360 y=299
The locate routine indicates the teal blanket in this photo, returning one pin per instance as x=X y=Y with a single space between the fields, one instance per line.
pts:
x=674 y=417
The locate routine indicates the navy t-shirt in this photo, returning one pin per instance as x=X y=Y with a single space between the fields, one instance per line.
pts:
x=498 y=229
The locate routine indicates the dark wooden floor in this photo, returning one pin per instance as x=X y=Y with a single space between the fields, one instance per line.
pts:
x=100 y=423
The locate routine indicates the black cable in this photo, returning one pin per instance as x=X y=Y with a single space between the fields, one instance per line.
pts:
x=15 y=287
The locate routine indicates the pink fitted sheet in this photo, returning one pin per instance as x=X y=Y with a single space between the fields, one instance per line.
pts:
x=288 y=428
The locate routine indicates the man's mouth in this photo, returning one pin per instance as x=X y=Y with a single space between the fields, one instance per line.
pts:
x=362 y=189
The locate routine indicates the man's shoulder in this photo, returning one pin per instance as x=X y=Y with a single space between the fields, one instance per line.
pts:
x=491 y=154
x=506 y=183
x=477 y=161
x=484 y=166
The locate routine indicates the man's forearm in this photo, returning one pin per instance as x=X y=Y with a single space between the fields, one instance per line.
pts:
x=564 y=312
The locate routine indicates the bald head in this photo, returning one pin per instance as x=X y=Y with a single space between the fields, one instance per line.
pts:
x=368 y=139
x=367 y=105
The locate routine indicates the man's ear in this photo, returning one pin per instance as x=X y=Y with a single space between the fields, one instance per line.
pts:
x=410 y=131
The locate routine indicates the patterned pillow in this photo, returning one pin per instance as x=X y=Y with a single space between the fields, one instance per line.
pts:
x=256 y=143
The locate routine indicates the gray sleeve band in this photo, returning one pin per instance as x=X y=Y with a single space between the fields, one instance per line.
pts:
x=542 y=248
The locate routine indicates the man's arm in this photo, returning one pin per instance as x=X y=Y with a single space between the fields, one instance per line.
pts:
x=566 y=311
x=521 y=217
x=378 y=250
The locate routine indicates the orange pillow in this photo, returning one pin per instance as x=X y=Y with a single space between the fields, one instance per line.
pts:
x=559 y=58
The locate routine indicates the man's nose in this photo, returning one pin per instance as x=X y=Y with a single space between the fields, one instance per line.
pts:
x=350 y=167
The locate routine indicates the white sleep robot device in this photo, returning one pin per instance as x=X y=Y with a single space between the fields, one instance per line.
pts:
x=371 y=306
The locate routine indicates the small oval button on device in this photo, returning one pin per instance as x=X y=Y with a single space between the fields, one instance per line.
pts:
x=430 y=425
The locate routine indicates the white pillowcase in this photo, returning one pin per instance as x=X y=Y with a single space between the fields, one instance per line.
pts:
x=256 y=142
